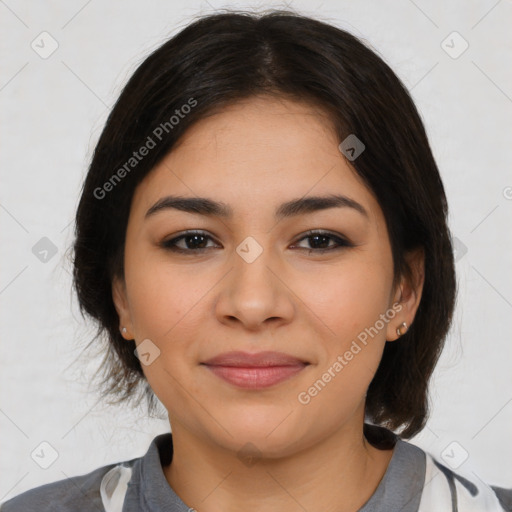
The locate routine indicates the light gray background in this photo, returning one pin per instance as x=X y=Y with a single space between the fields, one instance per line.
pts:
x=53 y=110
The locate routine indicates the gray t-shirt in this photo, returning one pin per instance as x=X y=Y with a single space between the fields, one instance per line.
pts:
x=148 y=490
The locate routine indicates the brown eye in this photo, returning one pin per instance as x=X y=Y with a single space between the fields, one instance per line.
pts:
x=191 y=241
x=323 y=241
x=197 y=242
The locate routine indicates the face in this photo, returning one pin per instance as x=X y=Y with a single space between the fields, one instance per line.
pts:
x=202 y=284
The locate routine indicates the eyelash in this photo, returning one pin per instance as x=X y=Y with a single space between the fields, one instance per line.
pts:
x=341 y=242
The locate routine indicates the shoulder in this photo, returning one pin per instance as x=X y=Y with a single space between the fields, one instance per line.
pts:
x=464 y=491
x=70 y=494
x=92 y=492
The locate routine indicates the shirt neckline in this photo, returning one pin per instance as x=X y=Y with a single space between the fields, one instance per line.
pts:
x=399 y=489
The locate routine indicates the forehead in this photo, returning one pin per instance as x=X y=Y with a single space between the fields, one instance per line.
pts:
x=260 y=128
x=256 y=153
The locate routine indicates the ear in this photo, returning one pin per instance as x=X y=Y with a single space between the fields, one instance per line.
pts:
x=407 y=294
x=120 y=299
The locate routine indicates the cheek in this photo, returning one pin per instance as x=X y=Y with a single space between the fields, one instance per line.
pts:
x=349 y=357
x=162 y=294
x=350 y=298
x=162 y=300
x=350 y=303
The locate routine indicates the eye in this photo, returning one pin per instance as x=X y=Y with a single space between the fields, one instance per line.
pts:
x=191 y=241
x=319 y=240
x=196 y=242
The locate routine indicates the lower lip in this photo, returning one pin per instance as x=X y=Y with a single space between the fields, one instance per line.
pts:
x=255 y=377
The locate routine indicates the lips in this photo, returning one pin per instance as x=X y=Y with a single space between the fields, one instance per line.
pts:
x=255 y=371
x=258 y=359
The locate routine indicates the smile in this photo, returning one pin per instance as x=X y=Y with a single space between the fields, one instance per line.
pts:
x=255 y=371
x=255 y=378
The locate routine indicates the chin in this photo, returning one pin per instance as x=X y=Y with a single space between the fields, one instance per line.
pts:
x=272 y=431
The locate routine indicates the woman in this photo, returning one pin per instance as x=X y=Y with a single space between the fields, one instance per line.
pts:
x=262 y=238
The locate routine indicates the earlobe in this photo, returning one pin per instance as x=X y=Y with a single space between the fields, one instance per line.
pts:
x=408 y=294
x=121 y=304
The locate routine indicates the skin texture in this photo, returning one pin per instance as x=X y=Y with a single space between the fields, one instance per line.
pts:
x=253 y=156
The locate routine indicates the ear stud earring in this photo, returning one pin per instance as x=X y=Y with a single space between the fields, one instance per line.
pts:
x=401 y=329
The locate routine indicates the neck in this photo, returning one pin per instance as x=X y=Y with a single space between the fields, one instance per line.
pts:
x=337 y=474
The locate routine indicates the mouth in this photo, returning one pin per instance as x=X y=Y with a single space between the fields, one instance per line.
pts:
x=255 y=371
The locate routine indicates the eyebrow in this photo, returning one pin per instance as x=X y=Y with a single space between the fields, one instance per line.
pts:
x=209 y=207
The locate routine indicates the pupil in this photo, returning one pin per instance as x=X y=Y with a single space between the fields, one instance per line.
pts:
x=194 y=237
x=323 y=237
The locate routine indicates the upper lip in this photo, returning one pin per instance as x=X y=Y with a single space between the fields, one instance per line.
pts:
x=256 y=360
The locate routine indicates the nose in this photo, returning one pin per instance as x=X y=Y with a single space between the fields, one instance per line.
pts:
x=254 y=294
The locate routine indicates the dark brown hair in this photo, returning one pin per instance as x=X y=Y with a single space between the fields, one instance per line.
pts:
x=217 y=60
